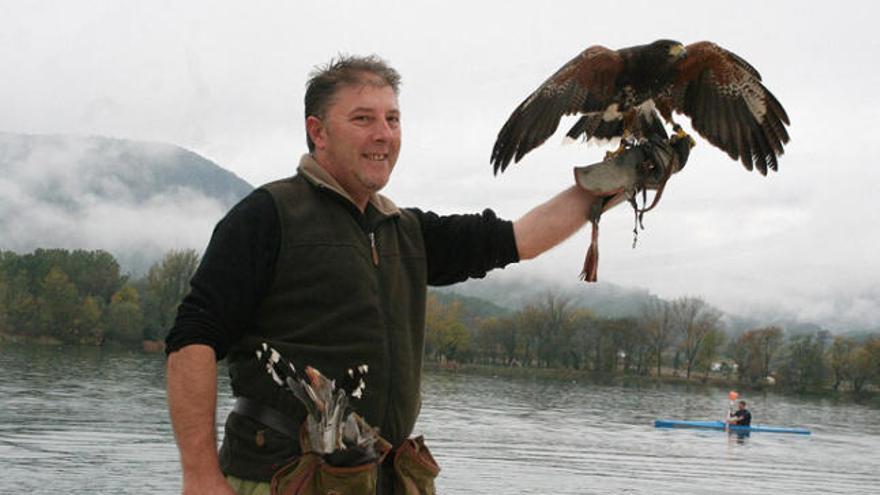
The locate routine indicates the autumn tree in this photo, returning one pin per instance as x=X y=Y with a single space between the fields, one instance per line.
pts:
x=498 y=338
x=87 y=324
x=804 y=365
x=486 y=344
x=741 y=355
x=635 y=345
x=622 y=343
x=842 y=359
x=59 y=305
x=446 y=336
x=584 y=328
x=528 y=319
x=167 y=282
x=124 y=318
x=547 y=323
x=95 y=273
x=656 y=320
x=754 y=352
x=708 y=352
x=605 y=345
x=693 y=320
x=21 y=306
x=866 y=365
x=3 y=293
x=766 y=343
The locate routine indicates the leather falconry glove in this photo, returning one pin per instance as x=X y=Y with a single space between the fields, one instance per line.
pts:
x=627 y=176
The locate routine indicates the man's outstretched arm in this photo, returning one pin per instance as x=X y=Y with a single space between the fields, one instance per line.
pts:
x=192 y=401
x=552 y=222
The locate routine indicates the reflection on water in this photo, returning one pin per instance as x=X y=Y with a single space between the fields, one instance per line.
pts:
x=81 y=420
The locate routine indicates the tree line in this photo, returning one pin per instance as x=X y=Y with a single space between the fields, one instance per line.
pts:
x=684 y=337
x=81 y=297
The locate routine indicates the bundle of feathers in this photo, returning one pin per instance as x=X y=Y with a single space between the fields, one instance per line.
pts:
x=334 y=430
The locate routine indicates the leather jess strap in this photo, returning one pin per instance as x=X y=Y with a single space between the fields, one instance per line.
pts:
x=272 y=418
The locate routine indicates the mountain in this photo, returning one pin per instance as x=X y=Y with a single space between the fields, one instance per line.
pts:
x=473 y=309
x=605 y=300
x=509 y=294
x=737 y=324
x=134 y=199
x=608 y=301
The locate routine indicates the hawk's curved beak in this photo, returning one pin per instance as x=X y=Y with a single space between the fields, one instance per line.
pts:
x=678 y=51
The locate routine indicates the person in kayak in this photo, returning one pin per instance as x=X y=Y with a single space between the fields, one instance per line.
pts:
x=742 y=416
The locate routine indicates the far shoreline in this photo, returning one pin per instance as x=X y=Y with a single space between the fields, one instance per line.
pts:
x=870 y=397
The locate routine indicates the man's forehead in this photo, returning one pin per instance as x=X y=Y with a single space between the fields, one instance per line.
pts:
x=365 y=95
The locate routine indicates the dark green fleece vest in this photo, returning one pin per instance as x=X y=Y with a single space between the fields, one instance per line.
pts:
x=333 y=305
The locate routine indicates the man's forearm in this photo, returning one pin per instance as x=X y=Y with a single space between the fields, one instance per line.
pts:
x=552 y=222
x=192 y=402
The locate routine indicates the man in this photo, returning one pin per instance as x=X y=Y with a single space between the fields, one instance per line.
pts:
x=742 y=416
x=331 y=274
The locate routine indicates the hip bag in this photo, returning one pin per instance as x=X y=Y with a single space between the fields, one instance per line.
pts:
x=309 y=474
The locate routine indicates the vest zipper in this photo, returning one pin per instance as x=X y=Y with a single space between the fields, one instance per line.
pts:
x=373 y=248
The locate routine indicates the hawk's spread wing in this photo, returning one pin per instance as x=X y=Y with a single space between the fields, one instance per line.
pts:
x=727 y=104
x=586 y=83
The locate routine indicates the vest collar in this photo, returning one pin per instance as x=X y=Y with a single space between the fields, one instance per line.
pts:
x=316 y=174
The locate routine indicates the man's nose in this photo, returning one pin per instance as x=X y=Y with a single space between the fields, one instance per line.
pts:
x=382 y=130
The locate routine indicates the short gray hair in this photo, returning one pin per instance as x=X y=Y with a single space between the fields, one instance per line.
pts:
x=344 y=70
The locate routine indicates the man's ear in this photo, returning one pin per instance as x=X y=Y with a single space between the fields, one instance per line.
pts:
x=316 y=130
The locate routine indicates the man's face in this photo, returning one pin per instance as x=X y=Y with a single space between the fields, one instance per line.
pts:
x=741 y=406
x=358 y=140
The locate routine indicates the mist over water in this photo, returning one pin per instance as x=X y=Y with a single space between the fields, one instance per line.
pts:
x=85 y=420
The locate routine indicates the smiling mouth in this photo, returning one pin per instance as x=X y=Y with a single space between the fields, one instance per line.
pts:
x=377 y=157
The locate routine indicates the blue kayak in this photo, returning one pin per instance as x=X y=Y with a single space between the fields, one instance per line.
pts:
x=718 y=425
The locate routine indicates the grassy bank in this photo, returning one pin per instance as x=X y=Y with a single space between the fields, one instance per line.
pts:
x=6 y=338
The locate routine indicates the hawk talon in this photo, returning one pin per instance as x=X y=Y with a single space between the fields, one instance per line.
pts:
x=680 y=134
x=609 y=155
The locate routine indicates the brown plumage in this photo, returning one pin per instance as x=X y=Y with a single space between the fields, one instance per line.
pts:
x=620 y=92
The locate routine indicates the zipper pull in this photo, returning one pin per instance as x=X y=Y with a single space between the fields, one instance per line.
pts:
x=373 y=248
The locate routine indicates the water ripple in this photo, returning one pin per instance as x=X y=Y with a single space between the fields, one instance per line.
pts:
x=88 y=421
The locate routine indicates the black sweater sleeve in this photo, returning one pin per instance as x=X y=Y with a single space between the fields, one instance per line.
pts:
x=233 y=277
x=459 y=247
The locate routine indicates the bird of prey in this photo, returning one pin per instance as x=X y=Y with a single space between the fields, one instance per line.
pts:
x=619 y=92
x=630 y=93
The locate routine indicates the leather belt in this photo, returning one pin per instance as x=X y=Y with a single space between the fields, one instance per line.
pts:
x=272 y=418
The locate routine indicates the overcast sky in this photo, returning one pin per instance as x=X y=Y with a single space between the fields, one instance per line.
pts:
x=226 y=80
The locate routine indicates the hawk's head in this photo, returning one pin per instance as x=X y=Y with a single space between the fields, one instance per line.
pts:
x=671 y=49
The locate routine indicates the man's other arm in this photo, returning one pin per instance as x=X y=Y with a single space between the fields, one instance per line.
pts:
x=231 y=280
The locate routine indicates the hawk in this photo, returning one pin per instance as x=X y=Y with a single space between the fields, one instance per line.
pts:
x=620 y=92
x=632 y=93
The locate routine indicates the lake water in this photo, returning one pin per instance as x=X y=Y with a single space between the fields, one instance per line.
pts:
x=81 y=420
